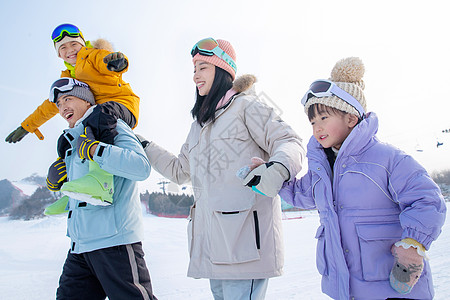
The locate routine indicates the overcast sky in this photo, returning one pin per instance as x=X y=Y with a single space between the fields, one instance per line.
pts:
x=286 y=44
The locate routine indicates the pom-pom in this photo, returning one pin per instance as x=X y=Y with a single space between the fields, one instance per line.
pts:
x=350 y=69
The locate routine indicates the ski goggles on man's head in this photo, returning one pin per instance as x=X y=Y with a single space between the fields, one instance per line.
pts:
x=326 y=88
x=210 y=47
x=65 y=30
x=64 y=85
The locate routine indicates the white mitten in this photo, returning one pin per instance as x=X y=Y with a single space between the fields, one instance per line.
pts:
x=267 y=179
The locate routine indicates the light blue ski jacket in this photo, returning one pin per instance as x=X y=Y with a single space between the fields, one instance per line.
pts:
x=375 y=196
x=95 y=227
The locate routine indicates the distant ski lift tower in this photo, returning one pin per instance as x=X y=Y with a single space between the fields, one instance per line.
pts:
x=163 y=185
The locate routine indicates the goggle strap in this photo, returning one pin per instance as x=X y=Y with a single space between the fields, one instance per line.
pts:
x=65 y=33
x=338 y=92
x=71 y=83
x=343 y=95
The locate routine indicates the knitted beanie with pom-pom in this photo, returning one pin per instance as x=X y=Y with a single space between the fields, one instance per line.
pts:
x=347 y=74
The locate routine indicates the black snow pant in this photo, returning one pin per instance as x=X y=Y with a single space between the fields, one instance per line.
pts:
x=117 y=272
x=103 y=122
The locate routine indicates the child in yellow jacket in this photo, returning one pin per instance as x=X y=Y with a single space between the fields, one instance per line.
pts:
x=97 y=65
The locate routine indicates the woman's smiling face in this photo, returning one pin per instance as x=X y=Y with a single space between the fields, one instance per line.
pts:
x=204 y=76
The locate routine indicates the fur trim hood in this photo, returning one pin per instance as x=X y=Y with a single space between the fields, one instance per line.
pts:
x=244 y=83
x=102 y=44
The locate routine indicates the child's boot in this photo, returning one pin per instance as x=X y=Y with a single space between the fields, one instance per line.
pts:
x=60 y=206
x=96 y=187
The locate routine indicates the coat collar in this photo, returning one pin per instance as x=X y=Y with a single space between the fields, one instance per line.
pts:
x=243 y=85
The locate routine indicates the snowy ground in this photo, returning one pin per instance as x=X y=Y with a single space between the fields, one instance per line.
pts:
x=32 y=254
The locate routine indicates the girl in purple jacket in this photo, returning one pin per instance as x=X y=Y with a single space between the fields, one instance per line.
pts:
x=379 y=209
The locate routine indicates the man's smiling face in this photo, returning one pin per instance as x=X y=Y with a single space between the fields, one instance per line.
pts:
x=72 y=108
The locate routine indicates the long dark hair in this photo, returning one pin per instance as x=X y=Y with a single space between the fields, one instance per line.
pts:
x=205 y=106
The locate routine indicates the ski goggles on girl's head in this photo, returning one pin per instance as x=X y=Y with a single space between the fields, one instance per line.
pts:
x=64 y=85
x=210 y=47
x=326 y=88
x=65 y=30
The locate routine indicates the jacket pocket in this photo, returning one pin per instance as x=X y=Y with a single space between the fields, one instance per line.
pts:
x=375 y=241
x=94 y=222
x=234 y=237
x=321 y=261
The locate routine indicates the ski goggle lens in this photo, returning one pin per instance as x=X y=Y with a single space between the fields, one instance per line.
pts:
x=210 y=47
x=320 y=87
x=205 y=47
x=63 y=30
x=64 y=85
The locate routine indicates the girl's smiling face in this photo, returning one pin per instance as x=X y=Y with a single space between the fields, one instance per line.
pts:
x=204 y=76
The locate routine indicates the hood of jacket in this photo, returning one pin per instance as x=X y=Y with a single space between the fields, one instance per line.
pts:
x=102 y=44
x=244 y=83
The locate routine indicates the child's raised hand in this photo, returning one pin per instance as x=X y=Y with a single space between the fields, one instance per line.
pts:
x=17 y=135
x=115 y=62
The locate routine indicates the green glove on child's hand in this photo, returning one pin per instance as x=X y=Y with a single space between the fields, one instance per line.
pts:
x=17 y=135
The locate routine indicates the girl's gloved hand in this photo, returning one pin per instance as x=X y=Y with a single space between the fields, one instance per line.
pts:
x=408 y=266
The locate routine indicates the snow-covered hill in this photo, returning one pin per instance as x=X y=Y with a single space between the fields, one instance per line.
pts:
x=29 y=184
x=32 y=254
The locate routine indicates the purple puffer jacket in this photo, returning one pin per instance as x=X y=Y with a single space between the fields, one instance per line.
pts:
x=376 y=196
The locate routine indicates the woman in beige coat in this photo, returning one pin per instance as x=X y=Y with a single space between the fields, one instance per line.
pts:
x=235 y=234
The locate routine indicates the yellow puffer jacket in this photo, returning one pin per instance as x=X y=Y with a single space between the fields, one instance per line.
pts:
x=106 y=86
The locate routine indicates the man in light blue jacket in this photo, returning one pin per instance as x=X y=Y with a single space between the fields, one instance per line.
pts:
x=106 y=257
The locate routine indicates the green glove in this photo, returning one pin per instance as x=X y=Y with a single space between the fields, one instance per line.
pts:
x=115 y=62
x=17 y=135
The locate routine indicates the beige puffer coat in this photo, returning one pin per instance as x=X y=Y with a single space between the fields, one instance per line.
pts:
x=233 y=232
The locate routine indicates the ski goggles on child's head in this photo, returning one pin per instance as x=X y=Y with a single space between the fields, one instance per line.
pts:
x=326 y=88
x=64 y=85
x=210 y=47
x=65 y=30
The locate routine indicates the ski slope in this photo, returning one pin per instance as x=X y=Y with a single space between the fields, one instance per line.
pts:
x=32 y=254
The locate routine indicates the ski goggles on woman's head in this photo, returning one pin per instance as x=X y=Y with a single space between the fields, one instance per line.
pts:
x=326 y=88
x=65 y=29
x=64 y=85
x=210 y=47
